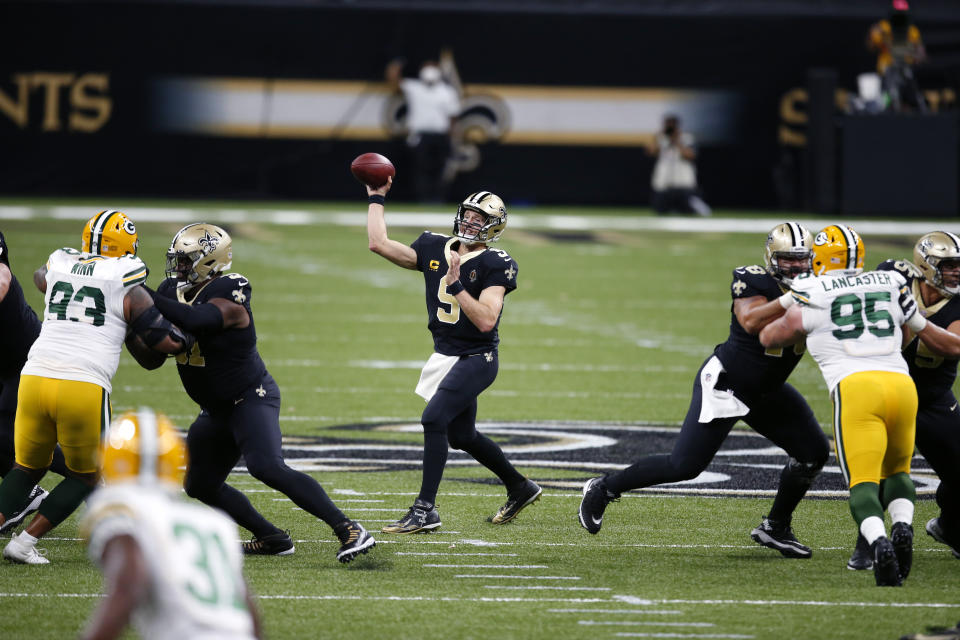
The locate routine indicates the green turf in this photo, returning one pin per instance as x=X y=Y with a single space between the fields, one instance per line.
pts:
x=609 y=329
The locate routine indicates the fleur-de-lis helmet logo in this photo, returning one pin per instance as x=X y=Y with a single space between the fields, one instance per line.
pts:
x=208 y=242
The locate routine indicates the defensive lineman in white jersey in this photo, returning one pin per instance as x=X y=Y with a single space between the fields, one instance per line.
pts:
x=852 y=325
x=172 y=567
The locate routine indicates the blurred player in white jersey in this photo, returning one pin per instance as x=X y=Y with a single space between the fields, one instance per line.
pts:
x=93 y=301
x=172 y=567
x=852 y=321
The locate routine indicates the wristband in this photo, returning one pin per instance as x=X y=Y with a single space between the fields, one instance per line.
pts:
x=917 y=322
x=455 y=288
x=376 y=198
x=787 y=300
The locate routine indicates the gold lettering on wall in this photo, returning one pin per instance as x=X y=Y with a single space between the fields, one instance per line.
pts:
x=75 y=102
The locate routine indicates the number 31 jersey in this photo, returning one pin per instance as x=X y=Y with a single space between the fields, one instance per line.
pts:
x=853 y=322
x=193 y=557
x=83 y=324
x=453 y=333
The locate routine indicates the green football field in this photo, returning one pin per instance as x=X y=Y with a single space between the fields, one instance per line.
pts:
x=603 y=336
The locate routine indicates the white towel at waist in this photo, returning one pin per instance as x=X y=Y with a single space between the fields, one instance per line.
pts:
x=716 y=403
x=433 y=373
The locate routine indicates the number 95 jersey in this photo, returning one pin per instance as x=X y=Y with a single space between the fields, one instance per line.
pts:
x=453 y=333
x=83 y=324
x=193 y=559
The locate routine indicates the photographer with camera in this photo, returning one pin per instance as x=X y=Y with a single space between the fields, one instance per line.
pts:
x=674 y=175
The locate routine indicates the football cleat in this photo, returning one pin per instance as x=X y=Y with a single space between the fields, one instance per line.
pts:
x=935 y=531
x=862 y=557
x=885 y=569
x=901 y=535
x=775 y=535
x=37 y=494
x=22 y=553
x=516 y=500
x=275 y=544
x=595 y=499
x=354 y=540
x=422 y=516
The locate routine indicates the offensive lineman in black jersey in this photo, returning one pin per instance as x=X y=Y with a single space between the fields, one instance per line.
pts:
x=466 y=282
x=239 y=399
x=934 y=280
x=19 y=327
x=742 y=380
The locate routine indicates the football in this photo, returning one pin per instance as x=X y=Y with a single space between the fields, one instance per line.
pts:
x=372 y=169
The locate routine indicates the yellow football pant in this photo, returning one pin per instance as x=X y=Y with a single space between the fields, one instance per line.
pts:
x=75 y=414
x=874 y=425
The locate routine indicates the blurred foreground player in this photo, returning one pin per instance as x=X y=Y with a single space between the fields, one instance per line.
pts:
x=239 y=399
x=172 y=568
x=466 y=282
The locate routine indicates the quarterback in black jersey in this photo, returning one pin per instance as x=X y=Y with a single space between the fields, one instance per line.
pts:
x=465 y=283
x=239 y=399
x=19 y=327
x=934 y=280
x=742 y=380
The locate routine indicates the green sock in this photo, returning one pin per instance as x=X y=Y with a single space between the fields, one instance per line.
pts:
x=865 y=501
x=64 y=500
x=15 y=491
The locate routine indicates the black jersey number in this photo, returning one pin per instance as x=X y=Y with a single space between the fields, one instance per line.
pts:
x=61 y=295
x=452 y=316
x=851 y=314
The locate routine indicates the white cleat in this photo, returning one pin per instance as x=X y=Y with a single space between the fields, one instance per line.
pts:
x=21 y=553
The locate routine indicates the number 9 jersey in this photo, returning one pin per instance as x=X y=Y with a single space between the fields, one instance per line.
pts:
x=853 y=322
x=83 y=323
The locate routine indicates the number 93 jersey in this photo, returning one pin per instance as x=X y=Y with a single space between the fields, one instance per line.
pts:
x=453 y=332
x=853 y=322
x=83 y=324
x=193 y=558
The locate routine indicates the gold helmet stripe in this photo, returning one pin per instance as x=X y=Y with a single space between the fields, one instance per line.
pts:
x=147 y=432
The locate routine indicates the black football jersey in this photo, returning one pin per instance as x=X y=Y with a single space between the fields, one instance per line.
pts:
x=223 y=362
x=933 y=374
x=19 y=328
x=453 y=333
x=750 y=367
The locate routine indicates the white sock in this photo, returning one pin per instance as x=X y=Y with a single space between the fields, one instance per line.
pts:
x=872 y=528
x=27 y=539
x=901 y=510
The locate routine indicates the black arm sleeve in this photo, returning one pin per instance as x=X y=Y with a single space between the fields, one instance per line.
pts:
x=195 y=319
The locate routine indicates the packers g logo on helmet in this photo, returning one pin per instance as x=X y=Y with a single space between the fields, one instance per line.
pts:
x=791 y=241
x=110 y=234
x=931 y=251
x=143 y=447
x=491 y=206
x=198 y=252
x=837 y=247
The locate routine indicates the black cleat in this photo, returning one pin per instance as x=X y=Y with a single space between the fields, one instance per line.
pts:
x=771 y=533
x=516 y=501
x=354 y=540
x=862 y=558
x=595 y=499
x=935 y=531
x=901 y=535
x=275 y=544
x=37 y=494
x=422 y=516
x=885 y=569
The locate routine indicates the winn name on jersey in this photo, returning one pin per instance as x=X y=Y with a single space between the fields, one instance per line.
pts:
x=222 y=364
x=83 y=323
x=453 y=333
x=933 y=374
x=751 y=369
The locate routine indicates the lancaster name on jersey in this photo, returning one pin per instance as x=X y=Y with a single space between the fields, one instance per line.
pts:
x=83 y=324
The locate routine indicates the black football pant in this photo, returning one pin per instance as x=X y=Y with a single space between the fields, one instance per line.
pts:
x=451 y=417
x=782 y=416
x=250 y=427
x=938 y=439
x=8 y=413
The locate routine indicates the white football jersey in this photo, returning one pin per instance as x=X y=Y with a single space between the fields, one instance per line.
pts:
x=853 y=322
x=83 y=324
x=193 y=555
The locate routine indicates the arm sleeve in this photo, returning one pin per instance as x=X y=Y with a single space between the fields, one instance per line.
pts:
x=195 y=319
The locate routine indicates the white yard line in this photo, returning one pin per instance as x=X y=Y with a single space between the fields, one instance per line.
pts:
x=643 y=623
x=487 y=566
x=439 y=553
x=486 y=577
x=543 y=588
x=682 y=635
x=644 y=612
